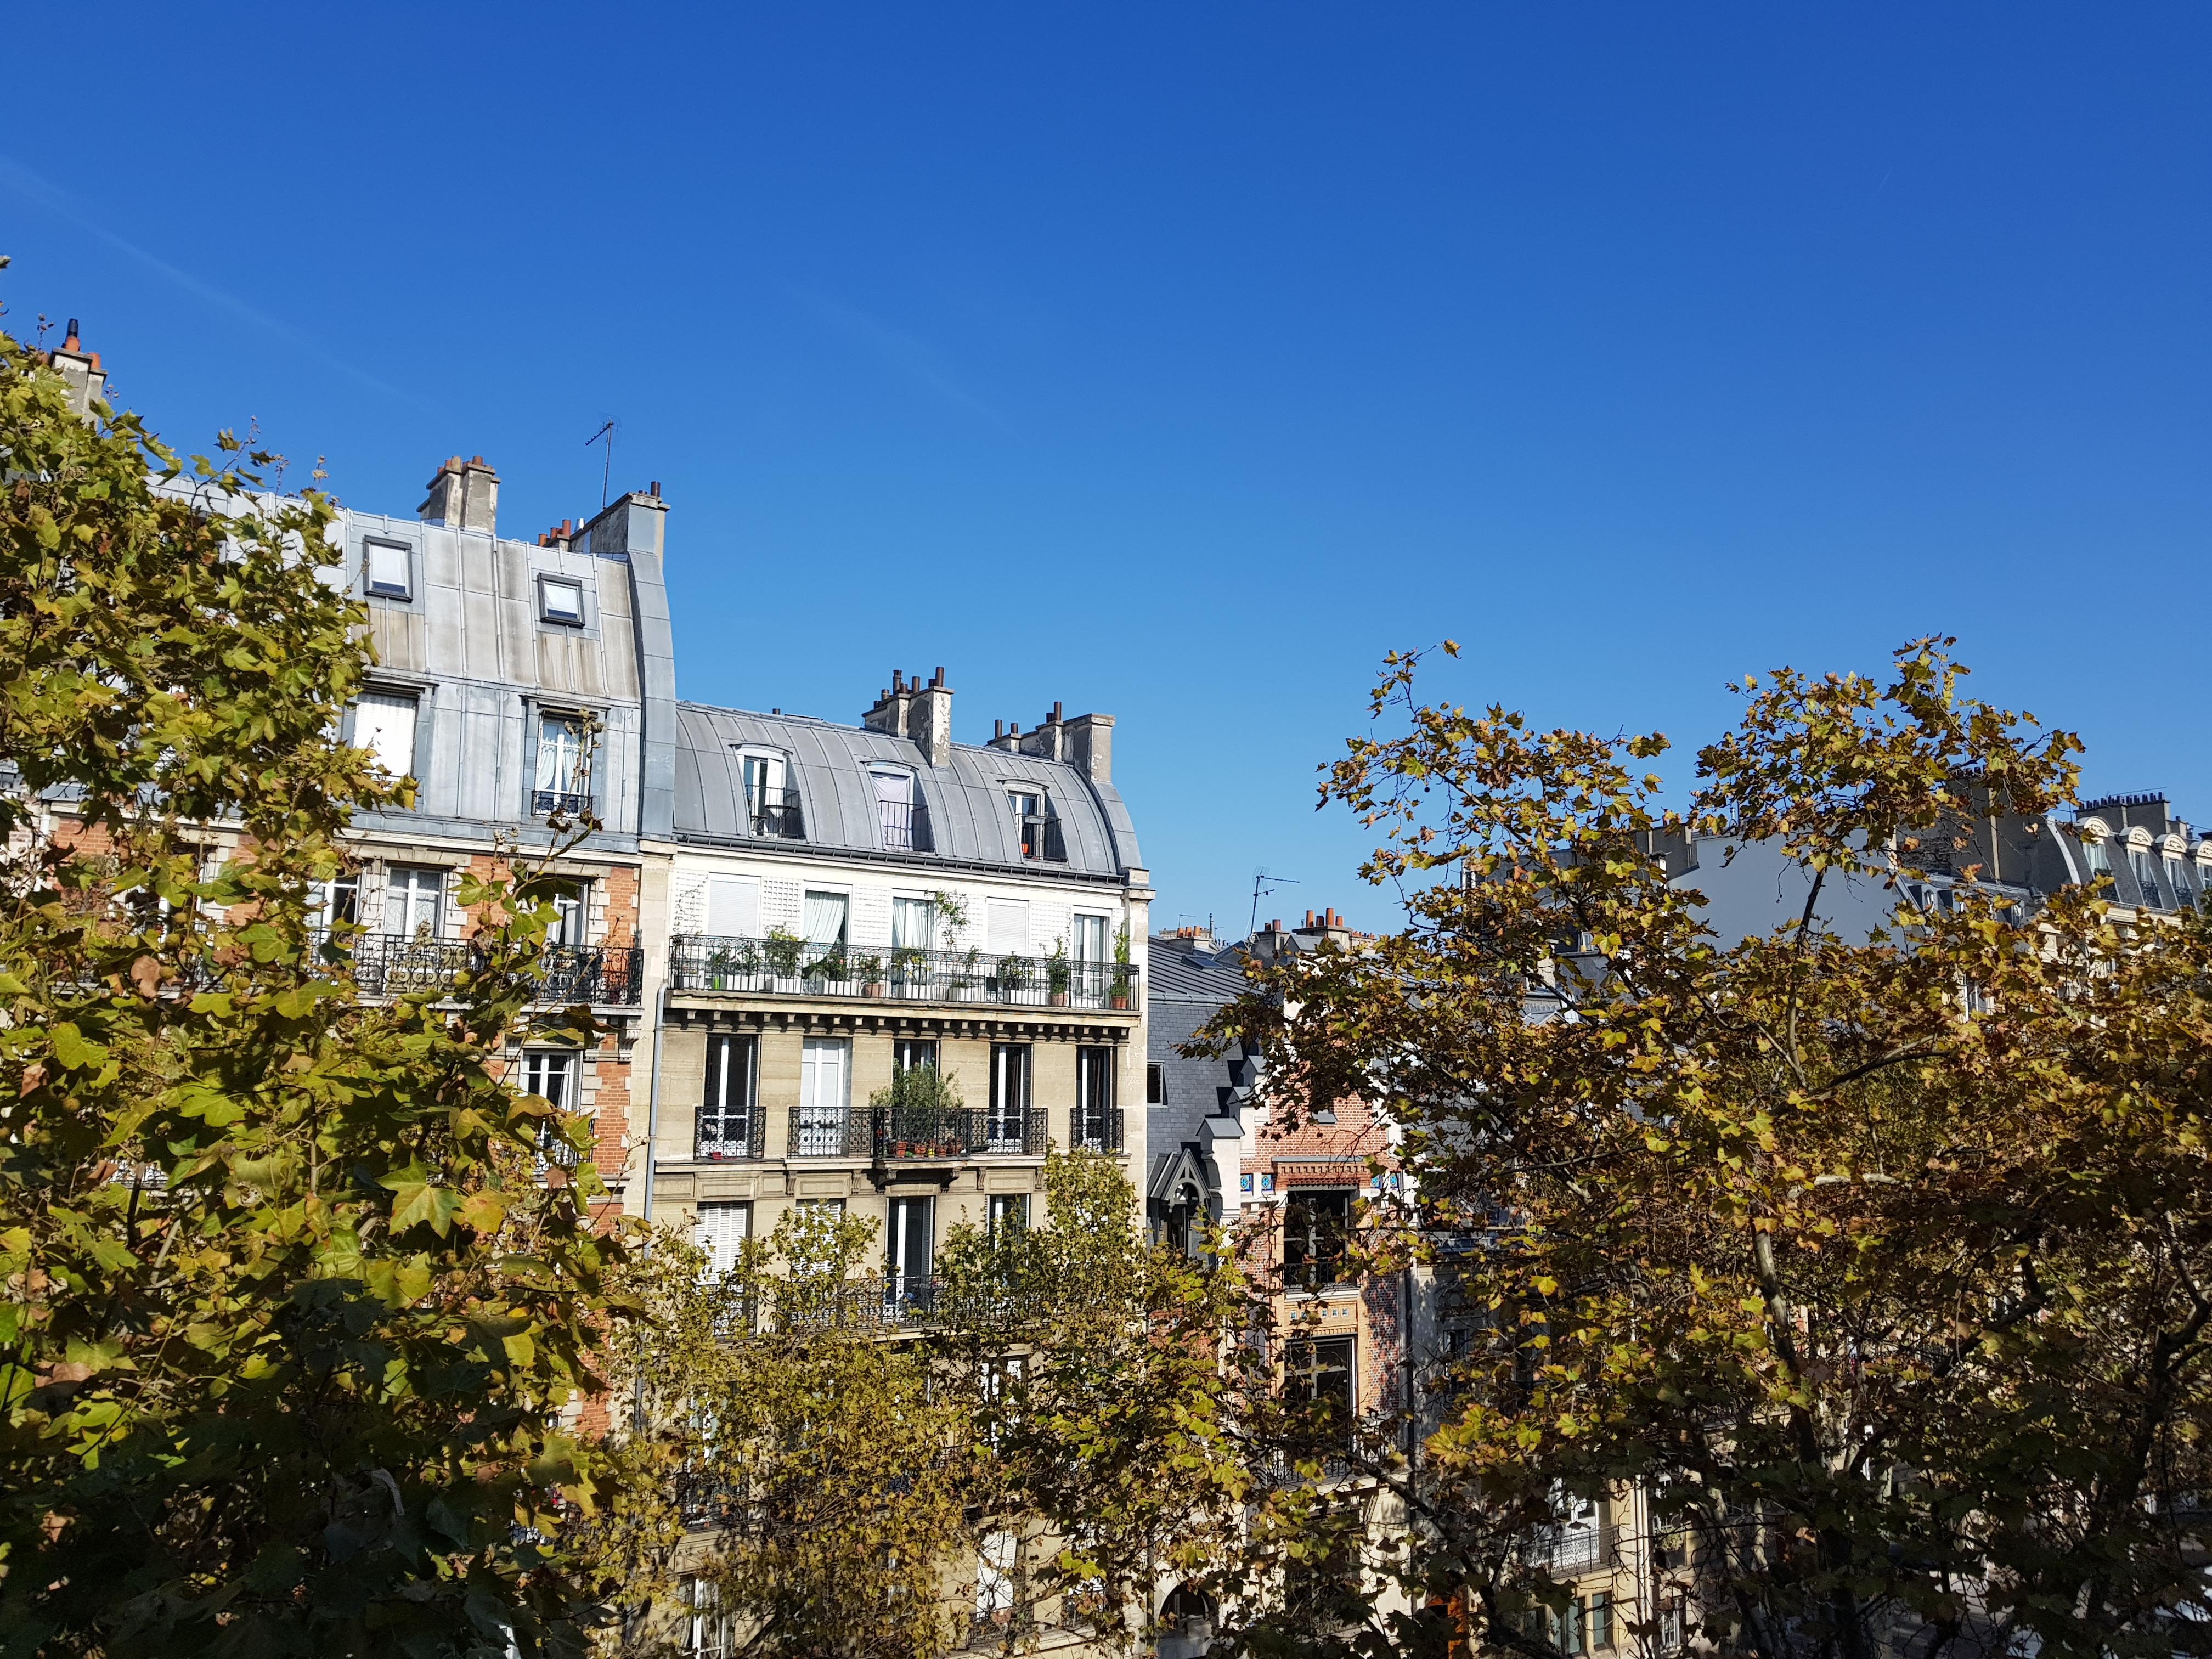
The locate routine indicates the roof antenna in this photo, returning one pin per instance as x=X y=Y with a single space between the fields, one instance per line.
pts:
x=607 y=472
x=1264 y=882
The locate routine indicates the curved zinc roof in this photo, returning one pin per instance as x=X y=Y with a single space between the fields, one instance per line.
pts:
x=970 y=820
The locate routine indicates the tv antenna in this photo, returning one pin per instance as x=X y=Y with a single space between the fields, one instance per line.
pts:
x=606 y=470
x=1264 y=882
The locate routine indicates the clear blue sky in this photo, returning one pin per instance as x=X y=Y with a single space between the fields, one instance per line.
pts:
x=1177 y=361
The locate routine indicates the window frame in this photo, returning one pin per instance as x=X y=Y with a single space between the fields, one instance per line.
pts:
x=1312 y=1260
x=1013 y=1072
x=716 y=1106
x=370 y=587
x=575 y=802
x=1038 y=838
x=547 y=581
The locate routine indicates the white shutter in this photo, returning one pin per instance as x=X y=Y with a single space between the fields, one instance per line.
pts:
x=385 y=725
x=722 y=1229
x=1008 y=927
x=733 y=907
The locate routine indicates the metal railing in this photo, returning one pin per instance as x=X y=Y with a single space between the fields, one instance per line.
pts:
x=569 y=803
x=786 y=966
x=776 y=814
x=406 y=964
x=889 y=1134
x=906 y=826
x=1096 y=1131
x=719 y=1136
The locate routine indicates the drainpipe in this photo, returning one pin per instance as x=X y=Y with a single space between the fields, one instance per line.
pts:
x=651 y=1138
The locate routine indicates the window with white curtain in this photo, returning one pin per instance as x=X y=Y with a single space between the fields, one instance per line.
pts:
x=914 y=924
x=564 y=765
x=1089 y=941
x=826 y=918
x=995 y=1578
x=723 y=1229
x=413 y=894
x=733 y=907
x=894 y=809
x=383 y=723
x=1006 y=927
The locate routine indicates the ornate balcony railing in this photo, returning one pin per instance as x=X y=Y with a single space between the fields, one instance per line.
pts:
x=905 y=826
x=406 y=964
x=780 y=965
x=1096 y=1130
x=890 y=1134
x=776 y=814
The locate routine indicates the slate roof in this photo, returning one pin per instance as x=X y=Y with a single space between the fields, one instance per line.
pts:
x=970 y=820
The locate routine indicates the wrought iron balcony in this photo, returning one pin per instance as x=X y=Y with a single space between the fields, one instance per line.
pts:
x=782 y=965
x=890 y=1134
x=722 y=1136
x=1096 y=1130
x=408 y=964
x=905 y=826
x=776 y=814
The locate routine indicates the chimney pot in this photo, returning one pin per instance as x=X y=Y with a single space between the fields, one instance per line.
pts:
x=938 y=678
x=656 y=490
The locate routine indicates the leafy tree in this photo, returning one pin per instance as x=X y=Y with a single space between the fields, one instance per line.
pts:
x=1106 y=1404
x=817 y=1466
x=1879 y=1266
x=288 y=1316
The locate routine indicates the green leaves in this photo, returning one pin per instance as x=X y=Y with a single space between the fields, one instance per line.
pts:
x=244 y=1213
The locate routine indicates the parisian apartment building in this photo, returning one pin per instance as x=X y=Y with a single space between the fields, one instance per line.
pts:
x=775 y=915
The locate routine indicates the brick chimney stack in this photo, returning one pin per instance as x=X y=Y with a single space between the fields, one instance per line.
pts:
x=894 y=710
x=463 y=495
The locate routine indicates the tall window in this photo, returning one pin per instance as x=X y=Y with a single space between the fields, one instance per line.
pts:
x=564 y=765
x=571 y=913
x=723 y=1230
x=550 y=1073
x=1318 y=1376
x=995 y=1578
x=726 y=1114
x=1038 y=825
x=383 y=723
x=818 y=1130
x=907 y=1053
x=826 y=918
x=335 y=900
x=1089 y=938
x=1316 y=1222
x=2144 y=865
x=2096 y=858
x=708 y=1632
x=1009 y=1214
x=895 y=810
x=914 y=924
x=908 y=1243
x=1010 y=1095
x=1094 y=1127
x=412 y=893
x=770 y=802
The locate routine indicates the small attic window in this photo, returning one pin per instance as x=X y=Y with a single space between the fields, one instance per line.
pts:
x=560 y=600
x=388 y=568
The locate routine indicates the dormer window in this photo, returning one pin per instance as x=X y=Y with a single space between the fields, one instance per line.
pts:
x=1038 y=825
x=560 y=600
x=388 y=569
x=771 y=805
x=901 y=816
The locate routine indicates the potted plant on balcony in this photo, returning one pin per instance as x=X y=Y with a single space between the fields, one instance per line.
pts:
x=869 y=971
x=1123 y=973
x=1012 y=977
x=921 y=1111
x=783 y=948
x=831 y=966
x=1058 y=975
x=962 y=984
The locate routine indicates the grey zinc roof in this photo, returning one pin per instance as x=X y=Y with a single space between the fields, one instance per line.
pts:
x=970 y=820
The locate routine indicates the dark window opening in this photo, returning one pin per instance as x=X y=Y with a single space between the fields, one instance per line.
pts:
x=726 y=1115
x=1317 y=1224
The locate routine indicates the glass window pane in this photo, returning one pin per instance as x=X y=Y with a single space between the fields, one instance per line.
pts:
x=389 y=571
x=383 y=723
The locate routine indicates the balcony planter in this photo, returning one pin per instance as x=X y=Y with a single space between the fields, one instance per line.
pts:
x=1121 y=998
x=1058 y=999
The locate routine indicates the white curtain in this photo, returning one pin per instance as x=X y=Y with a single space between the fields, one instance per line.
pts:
x=385 y=725
x=914 y=924
x=1091 y=938
x=826 y=918
x=561 y=755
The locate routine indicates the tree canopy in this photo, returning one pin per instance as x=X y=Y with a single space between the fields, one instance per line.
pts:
x=289 y=1317
x=1878 y=1265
